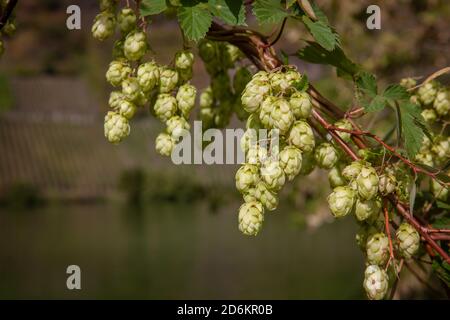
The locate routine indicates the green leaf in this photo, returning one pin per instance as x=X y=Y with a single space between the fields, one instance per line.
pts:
x=443 y=205
x=195 y=20
x=322 y=33
x=302 y=84
x=367 y=83
x=229 y=11
x=320 y=14
x=396 y=92
x=314 y=53
x=376 y=104
x=151 y=7
x=442 y=270
x=284 y=57
x=269 y=11
x=411 y=127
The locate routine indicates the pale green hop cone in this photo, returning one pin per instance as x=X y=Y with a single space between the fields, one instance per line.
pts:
x=126 y=19
x=377 y=249
x=335 y=177
x=376 y=282
x=177 y=127
x=126 y=108
x=135 y=45
x=273 y=175
x=367 y=182
x=365 y=209
x=253 y=95
x=344 y=124
x=341 y=201
x=184 y=59
x=116 y=127
x=427 y=93
x=164 y=144
x=408 y=240
x=291 y=161
x=251 y=217
x=302 y=136
x=165 y=106
x=104 y=25
x=168 y=79
x=186 y=99
x=131 y=89
x=326 y=155
x=148 y=75
x=118 y=71
x=442 y=103
x=301 y=105
x=246 y=177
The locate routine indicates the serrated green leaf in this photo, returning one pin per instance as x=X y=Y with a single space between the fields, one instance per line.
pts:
x=443 y=205
x=412 y=131
x=321 y=32
x=229 y=11
x=395 y=92
x=269 y=11
x=319 y=13
x=314 y=53
x=367 y=83
x=376 y=104
x=151 y=7
x=195 y=20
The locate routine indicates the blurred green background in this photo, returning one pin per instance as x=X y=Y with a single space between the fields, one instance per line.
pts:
x=139 y=226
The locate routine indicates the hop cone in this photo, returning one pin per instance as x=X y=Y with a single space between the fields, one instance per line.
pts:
x=126 y=109
x=408 y=83
x=164 y=144
x=131 y=89
x=351 y=172
x=344 y=124
x=229 y=55
x=302 y=136
x=177 y=127
x=308 y=163
x=364 y=209
x=273 y=175
x=427 y=93
x=341 y=201
x=387 y=184
x=377 y=249
x=326 y=155
x=251 y=217
x=104 y=25
x=439 y=191
x=107 y=5
x=408 y=240
x=253 y=95
x=425 y=158
x=115 y=97
x=206 y=98
x=207 y=50
x=135 y=45
x=279 y=82
x=291 y=162
x=367 y=182
x=246 y=177
x=116 y=127
x=256 y=155
x=118 y=71
x=335 y=177
x=148 y=76
x=126 y=19
x=376 y=282
x=240 y=80
x=248 y=139
x=184 y=59
x=301 y=105
x=268 y=198
x=186 y=99
x=276 y=114
x=429 y=115
x=442 y=103
x=168 y=79
x=165 y=106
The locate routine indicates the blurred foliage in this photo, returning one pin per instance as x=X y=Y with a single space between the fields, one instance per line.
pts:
x=6 y=97
x=21 y=196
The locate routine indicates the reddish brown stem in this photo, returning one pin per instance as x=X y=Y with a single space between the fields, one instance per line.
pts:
x=388 y=231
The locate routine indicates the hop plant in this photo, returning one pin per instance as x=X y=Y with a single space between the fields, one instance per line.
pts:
x=301 y=105
x=168 y=79
x=254 y=94
x=184 y=60
x=115 y=97
x=131 y=89
x=126 y=19
x=367 y=182
x=135 y=45
x=164 y=144
x=365 y=209
x=377 y=249
x=291 y=161
x=352 y=171
x=408 y=240
x=177 y=127
x=273 y=175
x=251 y=217
x=344 y=124
x=439 y=191
x=104 y=25
x=276 y=113
x=429 y=115
x=302 y=136
x=148 y=76
x=261 y=193
x=165 y=106
x=241 y=78
x=326 y=155
x=247 y=177
x=387 y=184
x=126 y=109
x=335 y=177
x=427 y=93
x=118 y=71
x=442 y=103
x=341 y=201
x=376 y=282
x=116 y=127
x=186 y=98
